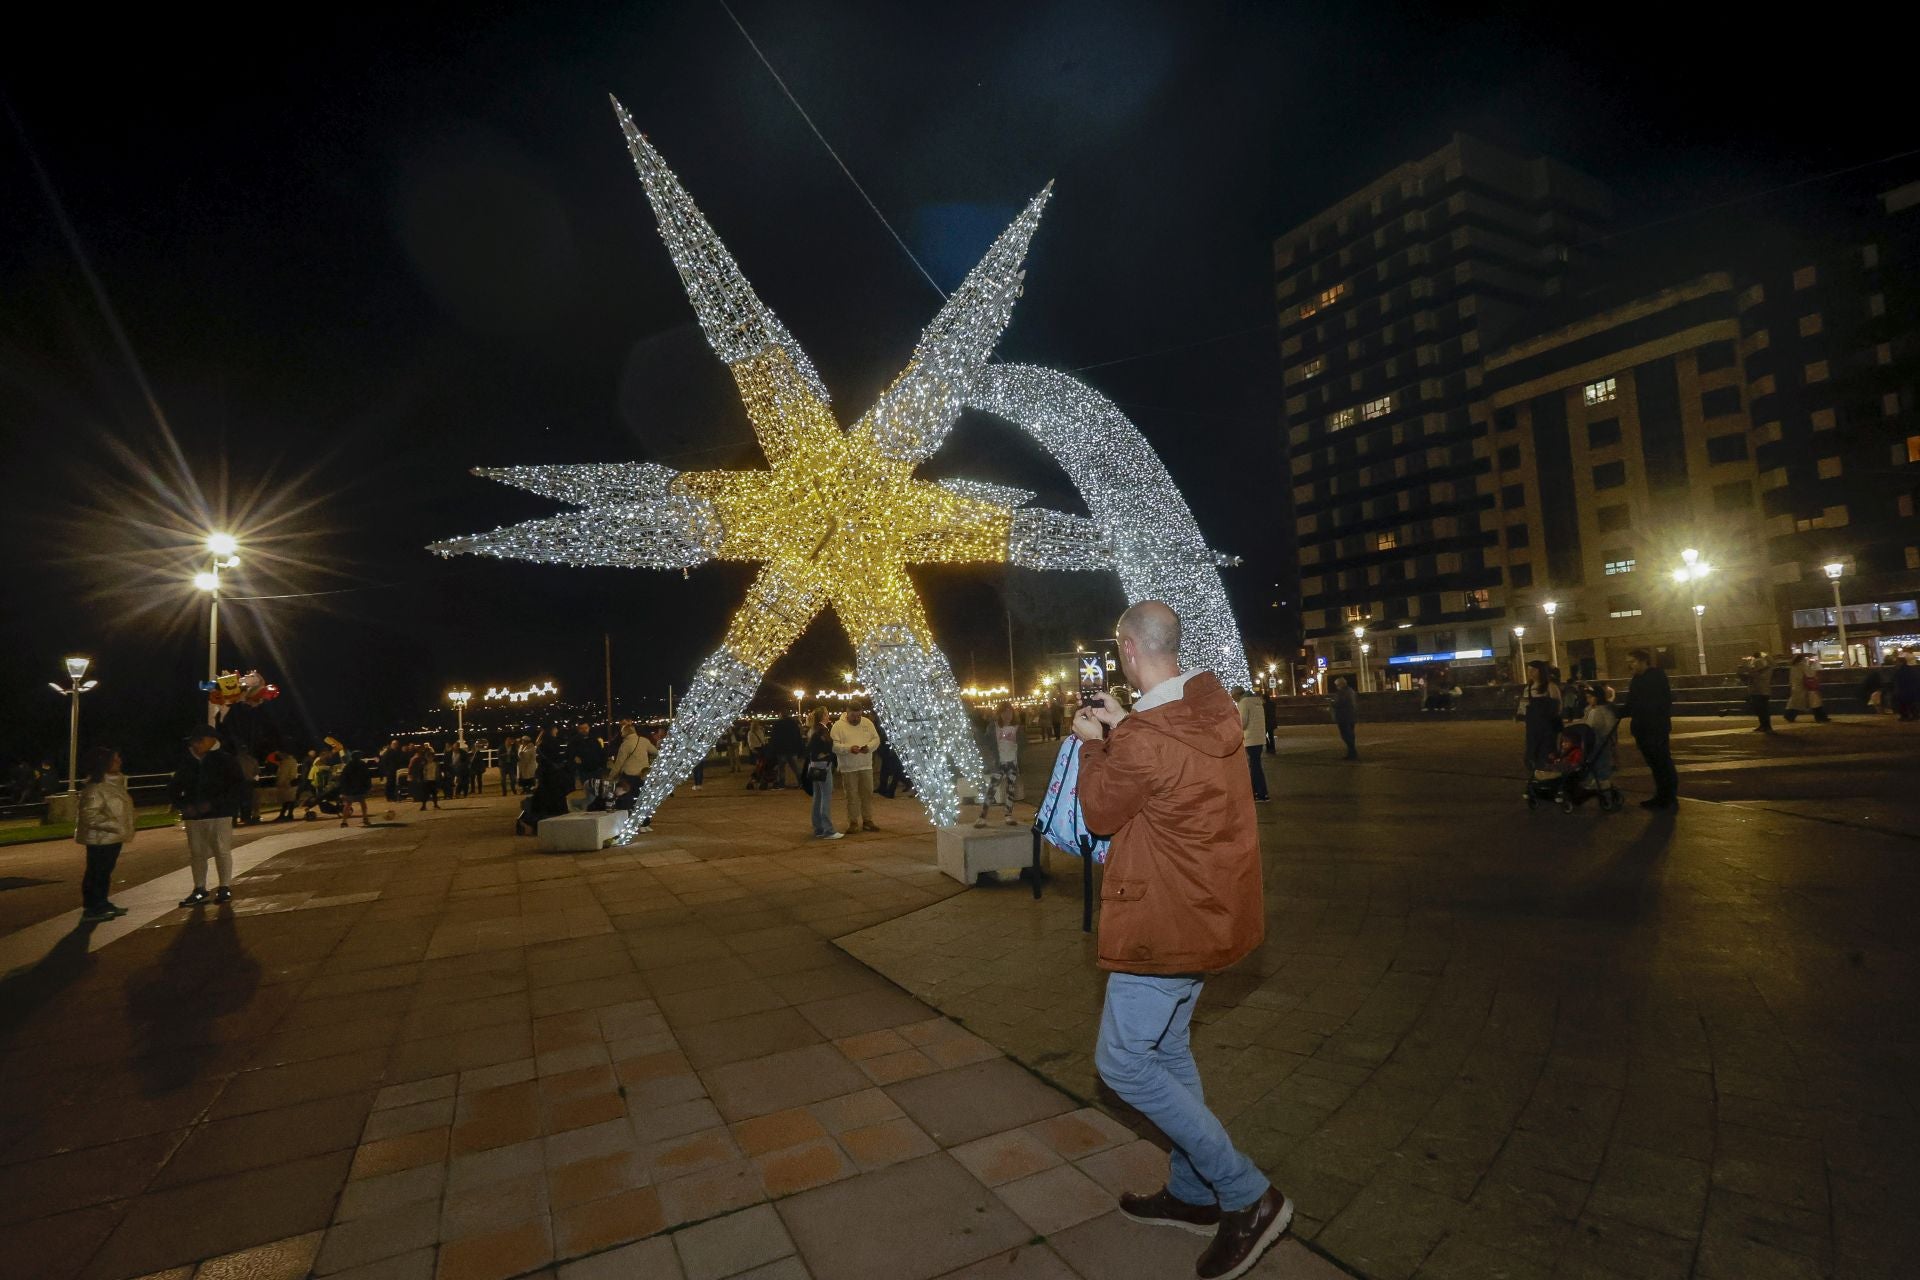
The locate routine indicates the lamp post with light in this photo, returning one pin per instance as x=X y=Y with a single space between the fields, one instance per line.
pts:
x=459 y=698
x=1692 y=569
x=222 y=553
x=1359 y=638
x=1553 y=634
x=77 y=684
x=1520 y=662
x=1834 y=571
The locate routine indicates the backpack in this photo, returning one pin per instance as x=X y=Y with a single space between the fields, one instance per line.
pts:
x=1059 y=821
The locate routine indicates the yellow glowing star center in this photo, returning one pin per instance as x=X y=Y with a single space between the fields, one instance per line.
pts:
x=835 y=521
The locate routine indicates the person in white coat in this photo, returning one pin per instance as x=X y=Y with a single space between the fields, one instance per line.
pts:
x=1253 y=735
x=630 y=761
x=855 y=739
x=104 y=825
x=1803 y=690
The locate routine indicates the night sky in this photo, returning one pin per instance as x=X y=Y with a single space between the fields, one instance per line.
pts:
x=356 y=255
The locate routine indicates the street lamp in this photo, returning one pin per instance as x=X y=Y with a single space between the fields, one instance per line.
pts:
x=1553 y=633
x=1834 y=571
x=1691 y=570
x=1359 y=638
x=1520 y=642
x=223 y=553
x=76 y=685
x=459 y=698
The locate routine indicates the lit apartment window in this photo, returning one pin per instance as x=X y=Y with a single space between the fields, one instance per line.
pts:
x=1809 y=325
x=1816 y=372
x=1479 y=598
x=1620 y=566
x=1313 y=366
x=1802 y=524
x=1823 y=420
x=1622 y=607
x=1903 y=505
x=1330 y=296
x=1340 y=419
x=1377 y=408
x=1387 y=542
x=1883 y=354
x=1913 y=557
x=1804 y=278
x=1356 y=613
x=1600 y=392
x=1828 y=468
x=1913 y=448
x=1890 y=403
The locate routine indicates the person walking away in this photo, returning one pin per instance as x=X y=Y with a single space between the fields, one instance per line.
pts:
x=1756 y=673
x=356 y=784
x=854 y=742
x=1253 y=733
x=455 y=770
x=629 y=763
x=789 y=751
x=527 y=765
x=1056 y=717
x=818 y=777
x=393 y=762
x=104 y=826
x=1649 y=710
x=207 y=791
x=1000 y=744
x=1345 y=705
x=590 y=766
x=286 y=783
x=1272 y=709
x=1543 y=718
x=1906 y=687
x=1181 y=899
x=1803 y=690
x=477 y=767
x=423 y=771
x=249 y=815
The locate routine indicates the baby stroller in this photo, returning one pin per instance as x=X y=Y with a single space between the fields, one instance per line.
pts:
x=766 y=771
x=1585 y=763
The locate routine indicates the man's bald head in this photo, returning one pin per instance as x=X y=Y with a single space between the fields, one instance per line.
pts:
x=1154 y=628
x=1149 y=636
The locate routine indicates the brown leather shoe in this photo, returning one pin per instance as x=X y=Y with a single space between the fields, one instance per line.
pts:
x=1244 y=1235
x=1164 y=1209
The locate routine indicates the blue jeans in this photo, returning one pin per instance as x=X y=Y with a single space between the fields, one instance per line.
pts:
x=1145 y=1056
x=1258 y=774
x=823 y=805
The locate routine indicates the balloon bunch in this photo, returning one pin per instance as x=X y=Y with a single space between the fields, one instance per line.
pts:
x=233 y=689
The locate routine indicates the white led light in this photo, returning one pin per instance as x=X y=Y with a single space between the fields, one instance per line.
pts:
x=837 y=516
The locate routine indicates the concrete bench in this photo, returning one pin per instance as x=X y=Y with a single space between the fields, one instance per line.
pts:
x=579 y=832
x=963 y=852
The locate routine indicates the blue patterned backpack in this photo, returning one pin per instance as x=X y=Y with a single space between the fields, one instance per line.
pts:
x=1059 y=821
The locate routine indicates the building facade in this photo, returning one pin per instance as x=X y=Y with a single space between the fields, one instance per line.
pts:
x=1621 y=442
x=1830 y=342
x=1387 y=301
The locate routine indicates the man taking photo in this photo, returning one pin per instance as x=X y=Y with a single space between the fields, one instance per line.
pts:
x=1181 y=898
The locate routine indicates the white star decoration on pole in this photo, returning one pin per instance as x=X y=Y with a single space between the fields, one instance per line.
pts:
x=837 y=516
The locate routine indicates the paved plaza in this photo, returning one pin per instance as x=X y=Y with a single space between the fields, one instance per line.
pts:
x=1478 y=1042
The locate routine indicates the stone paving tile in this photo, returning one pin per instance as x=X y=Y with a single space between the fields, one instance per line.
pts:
x=921 y=1219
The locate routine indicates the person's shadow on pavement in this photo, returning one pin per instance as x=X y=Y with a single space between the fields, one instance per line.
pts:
x=175 y=1004
x=24 y=992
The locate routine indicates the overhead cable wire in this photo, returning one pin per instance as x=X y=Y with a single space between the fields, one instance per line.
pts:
x=752 y=44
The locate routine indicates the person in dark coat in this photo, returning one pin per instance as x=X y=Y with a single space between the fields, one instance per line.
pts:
x=1544 y=715
x=789 y=747
x=209 y=791
x=1906 y=688
x=1345 y=705
x=1649 y=709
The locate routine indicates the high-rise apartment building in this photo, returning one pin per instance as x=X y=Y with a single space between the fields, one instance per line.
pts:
x=1387 y=300
x=1831 y=347
x=1621 y=443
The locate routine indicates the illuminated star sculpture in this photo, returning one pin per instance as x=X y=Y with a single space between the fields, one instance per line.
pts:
x=837 y=516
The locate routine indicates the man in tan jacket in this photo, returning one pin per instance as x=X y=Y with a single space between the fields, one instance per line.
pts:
x=1181 y=899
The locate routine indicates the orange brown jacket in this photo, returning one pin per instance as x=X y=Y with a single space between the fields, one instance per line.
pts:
x=1182 y=888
